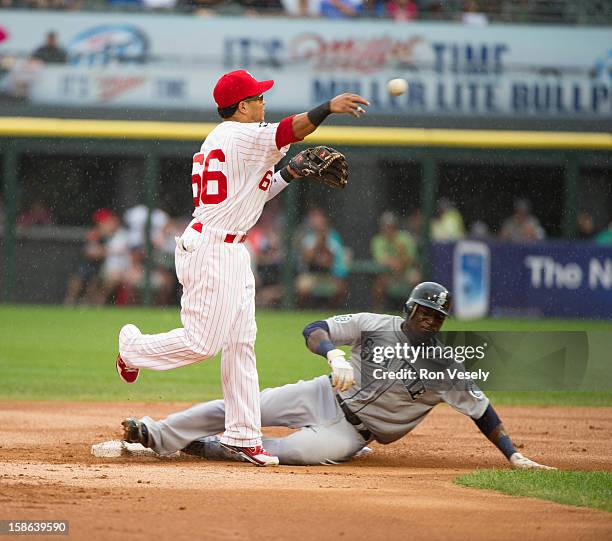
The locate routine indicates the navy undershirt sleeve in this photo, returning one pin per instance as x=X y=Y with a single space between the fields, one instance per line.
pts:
x=311 y=327
x=487 y=424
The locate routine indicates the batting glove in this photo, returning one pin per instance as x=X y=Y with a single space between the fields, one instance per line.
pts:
x=519 y=462
x=342 y=371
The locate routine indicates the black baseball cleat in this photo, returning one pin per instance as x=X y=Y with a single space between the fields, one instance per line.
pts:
x=210 y=447
x=135 y=432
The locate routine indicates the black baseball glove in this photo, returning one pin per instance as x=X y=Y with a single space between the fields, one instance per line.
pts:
x=322 y=164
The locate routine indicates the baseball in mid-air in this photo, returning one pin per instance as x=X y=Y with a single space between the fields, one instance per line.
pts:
x=397 y=87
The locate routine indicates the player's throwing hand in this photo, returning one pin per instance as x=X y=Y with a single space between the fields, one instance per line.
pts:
x=304 y=124
x=348 y=103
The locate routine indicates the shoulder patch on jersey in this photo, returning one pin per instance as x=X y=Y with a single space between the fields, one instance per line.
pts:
x=342 y=319
x=263 y=124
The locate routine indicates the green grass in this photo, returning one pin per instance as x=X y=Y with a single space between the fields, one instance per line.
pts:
x=58 y=353
x=582 y=489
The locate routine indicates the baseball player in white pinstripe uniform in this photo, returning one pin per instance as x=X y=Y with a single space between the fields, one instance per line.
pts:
x=232 y=179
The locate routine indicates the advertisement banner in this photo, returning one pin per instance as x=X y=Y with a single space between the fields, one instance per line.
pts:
x=154 y=60
x=542 y=279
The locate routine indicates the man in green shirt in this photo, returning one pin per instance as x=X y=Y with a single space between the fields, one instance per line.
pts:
x=395 y=252
x=604 y=238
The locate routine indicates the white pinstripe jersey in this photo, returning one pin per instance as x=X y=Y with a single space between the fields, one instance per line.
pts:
x=232 y=174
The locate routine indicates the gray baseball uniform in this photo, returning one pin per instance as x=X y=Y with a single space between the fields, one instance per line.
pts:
x=387 y=409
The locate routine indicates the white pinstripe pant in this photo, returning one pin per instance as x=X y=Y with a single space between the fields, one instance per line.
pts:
x=218 y=314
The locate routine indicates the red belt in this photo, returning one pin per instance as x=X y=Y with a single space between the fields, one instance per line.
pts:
x=229 y=238
x=232 y=238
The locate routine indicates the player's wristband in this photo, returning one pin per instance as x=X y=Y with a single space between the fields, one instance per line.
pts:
x=319 y=113
x=488 y=423
x=324 y=347
x=504 y=444
x=286 y=175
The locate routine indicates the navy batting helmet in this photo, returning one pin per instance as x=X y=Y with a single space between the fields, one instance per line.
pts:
x=429 y=294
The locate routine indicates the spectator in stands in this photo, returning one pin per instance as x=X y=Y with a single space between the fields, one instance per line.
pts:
x=414 y=226
x=302 y=8
x=162 y=278
x=604 y=237
x=435 y=10
x=165 y=245
x=414 y=222
x=125 y=4
x=19 y=75
x=135 y=219
x=322 y=263
x=44 y=4
x=266 y=246
x=585 y=228
x=522 y=225
x=479 y=230
x=448 y=225
x=375 y=9
x=86 y=281
x=208 y=8
x=160 y=5
x=261 y=7
x=37 y=213
x=133 y=283
x=341 y=9
x=51 y=52
x=402 y=10
x=395 y=252
x=472 y=14
x=117 y=256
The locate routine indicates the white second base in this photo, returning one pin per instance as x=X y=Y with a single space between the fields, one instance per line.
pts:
x=116 y=449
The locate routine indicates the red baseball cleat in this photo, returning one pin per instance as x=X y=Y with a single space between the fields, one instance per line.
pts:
x=129 y=375
x=256 y=455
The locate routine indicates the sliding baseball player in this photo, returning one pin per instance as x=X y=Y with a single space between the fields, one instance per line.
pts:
x=362 y=400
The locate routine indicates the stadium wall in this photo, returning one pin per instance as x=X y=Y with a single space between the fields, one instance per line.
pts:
x=124 y=163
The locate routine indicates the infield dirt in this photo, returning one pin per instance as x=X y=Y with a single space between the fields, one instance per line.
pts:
x=401 y=491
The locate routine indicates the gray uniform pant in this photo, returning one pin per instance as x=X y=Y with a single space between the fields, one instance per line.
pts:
x=325 y=435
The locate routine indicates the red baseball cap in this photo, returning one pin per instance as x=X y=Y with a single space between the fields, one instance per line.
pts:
x=238 y=85
x=103 y=215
